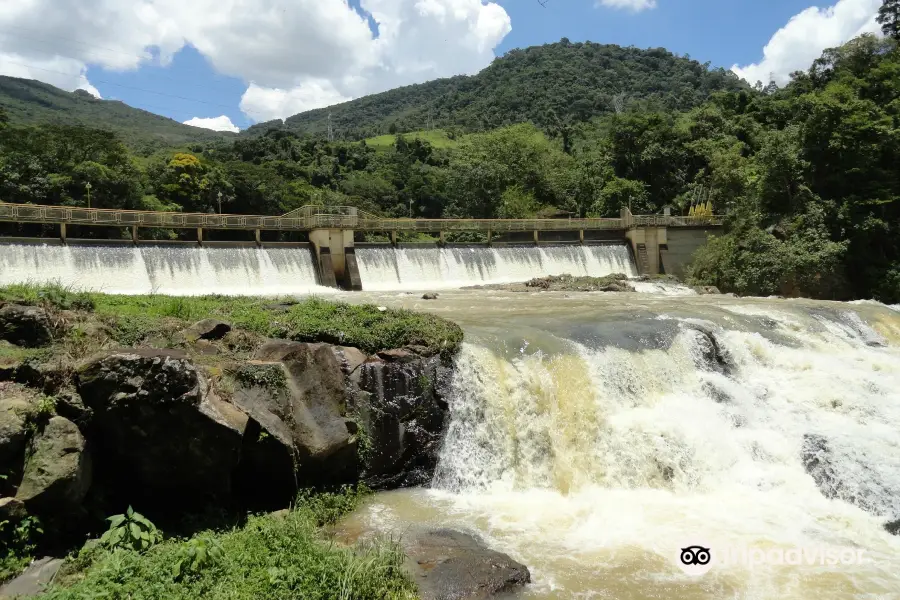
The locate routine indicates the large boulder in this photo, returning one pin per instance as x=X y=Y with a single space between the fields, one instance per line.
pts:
x=16 y=403
x=158 y=433
x=397 y=404
x=712 y=354
x=27 y=326
x=450 y=565
x=296 y=394
x=57 y=473
x=207 y=329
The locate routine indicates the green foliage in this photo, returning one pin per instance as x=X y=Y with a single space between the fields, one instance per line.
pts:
x=17 y=544
x=196 y=555
x=131 y=531
x=889 y=18
x=51 y=295
x=32 y=102
x=273 y=557
x=327 y=508
x=552 y=86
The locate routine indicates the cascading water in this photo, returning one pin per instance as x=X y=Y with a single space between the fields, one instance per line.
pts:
x=429 y=268
x=179 y=271
x=593 y=437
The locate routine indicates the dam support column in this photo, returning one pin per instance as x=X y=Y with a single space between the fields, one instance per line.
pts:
x=332 y=247
x=200 y=235
x=258 y=236
x=134 y=234
x=62 y=232
x=646 y=243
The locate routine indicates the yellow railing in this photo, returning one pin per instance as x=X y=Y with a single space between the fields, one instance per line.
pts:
x=316 y=217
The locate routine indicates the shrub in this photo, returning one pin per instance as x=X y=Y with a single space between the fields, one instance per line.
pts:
x=131 y=531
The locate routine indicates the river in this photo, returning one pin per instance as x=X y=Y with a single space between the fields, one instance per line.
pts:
x=593 y=437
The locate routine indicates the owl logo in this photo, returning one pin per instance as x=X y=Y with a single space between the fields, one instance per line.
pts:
x=695 y=555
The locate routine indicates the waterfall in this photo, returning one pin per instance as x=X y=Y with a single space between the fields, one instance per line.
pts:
x=173 y=270
x=384 y=269
x=595 y=448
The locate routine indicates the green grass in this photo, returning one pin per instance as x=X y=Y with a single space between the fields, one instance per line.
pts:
x=272 y=557
x=436 y=137
x=132 y=320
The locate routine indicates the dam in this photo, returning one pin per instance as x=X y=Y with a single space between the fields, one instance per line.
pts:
x=335 y=257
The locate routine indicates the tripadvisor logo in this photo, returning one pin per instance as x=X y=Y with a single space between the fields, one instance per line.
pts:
x=699 y=559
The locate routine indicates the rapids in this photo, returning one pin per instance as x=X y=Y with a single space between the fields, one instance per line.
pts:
x=594 y=435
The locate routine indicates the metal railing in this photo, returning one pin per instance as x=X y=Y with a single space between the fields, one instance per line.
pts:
x=317 y=217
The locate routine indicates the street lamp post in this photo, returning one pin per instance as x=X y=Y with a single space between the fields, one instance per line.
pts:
x=87 y=186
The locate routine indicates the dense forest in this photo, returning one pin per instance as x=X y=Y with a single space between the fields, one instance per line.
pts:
x=29 y=102
x=808 y=175
x=553 y=86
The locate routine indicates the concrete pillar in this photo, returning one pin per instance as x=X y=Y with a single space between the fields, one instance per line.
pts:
x=581 y=235
x=134 y=234
x=334 y=243
x=258 y=238
x=536 y=240
x=490 y=235
x=200 y=235
x=442 y=240
x=394 y=238
x=62 y=232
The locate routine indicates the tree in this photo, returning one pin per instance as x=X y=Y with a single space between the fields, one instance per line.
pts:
x=889 y=18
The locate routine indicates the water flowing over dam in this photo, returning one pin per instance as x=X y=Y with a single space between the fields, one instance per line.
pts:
x=447 y=268
x=198 y=270
x=593 y=436
x=173 y=270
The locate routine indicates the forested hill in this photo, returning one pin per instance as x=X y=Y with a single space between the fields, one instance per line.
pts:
x=552 y=86
x=29 y=102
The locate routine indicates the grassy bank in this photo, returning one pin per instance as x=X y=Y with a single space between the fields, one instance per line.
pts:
x=132 y=320
x=279 y=556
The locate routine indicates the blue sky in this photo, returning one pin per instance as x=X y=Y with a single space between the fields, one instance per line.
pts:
x=248 y=60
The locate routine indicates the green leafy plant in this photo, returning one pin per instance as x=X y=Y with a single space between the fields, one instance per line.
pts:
x=131 y=531
x=196 y=555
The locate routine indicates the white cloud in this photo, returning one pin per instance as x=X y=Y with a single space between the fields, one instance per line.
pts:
x=796 y=45
x=266 y=104
x=222 y=123
x=635 y=5
x=295 y=55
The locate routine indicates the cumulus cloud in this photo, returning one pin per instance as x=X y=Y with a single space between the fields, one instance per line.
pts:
x=294 y=55
x=635 y=5
x=796 y=45
x=222 y=123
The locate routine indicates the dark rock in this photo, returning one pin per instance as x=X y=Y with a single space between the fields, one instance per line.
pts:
x=15 y=403
x=430 y=296
x=27 y=326
x=715 y=392
x=713 y=355
x=207 y=329
x=48 y=377
x=159 y=435
x=845 y=472
x=58 y=470
x=70 y=405
x=12 y=509
x=350 y=358
x=707 y=290
x=450 y=565
x=398 y=356
x=296 y=396
x=402 y=417
x=893 y=527
x=34 y=581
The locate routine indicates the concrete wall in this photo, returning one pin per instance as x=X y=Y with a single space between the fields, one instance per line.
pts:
x=682 y=243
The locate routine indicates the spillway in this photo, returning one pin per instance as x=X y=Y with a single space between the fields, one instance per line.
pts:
x=172 y=270
x=592 y=439
x=384 y=269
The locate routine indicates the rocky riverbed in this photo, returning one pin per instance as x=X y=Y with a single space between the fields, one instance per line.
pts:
x=193 y=416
